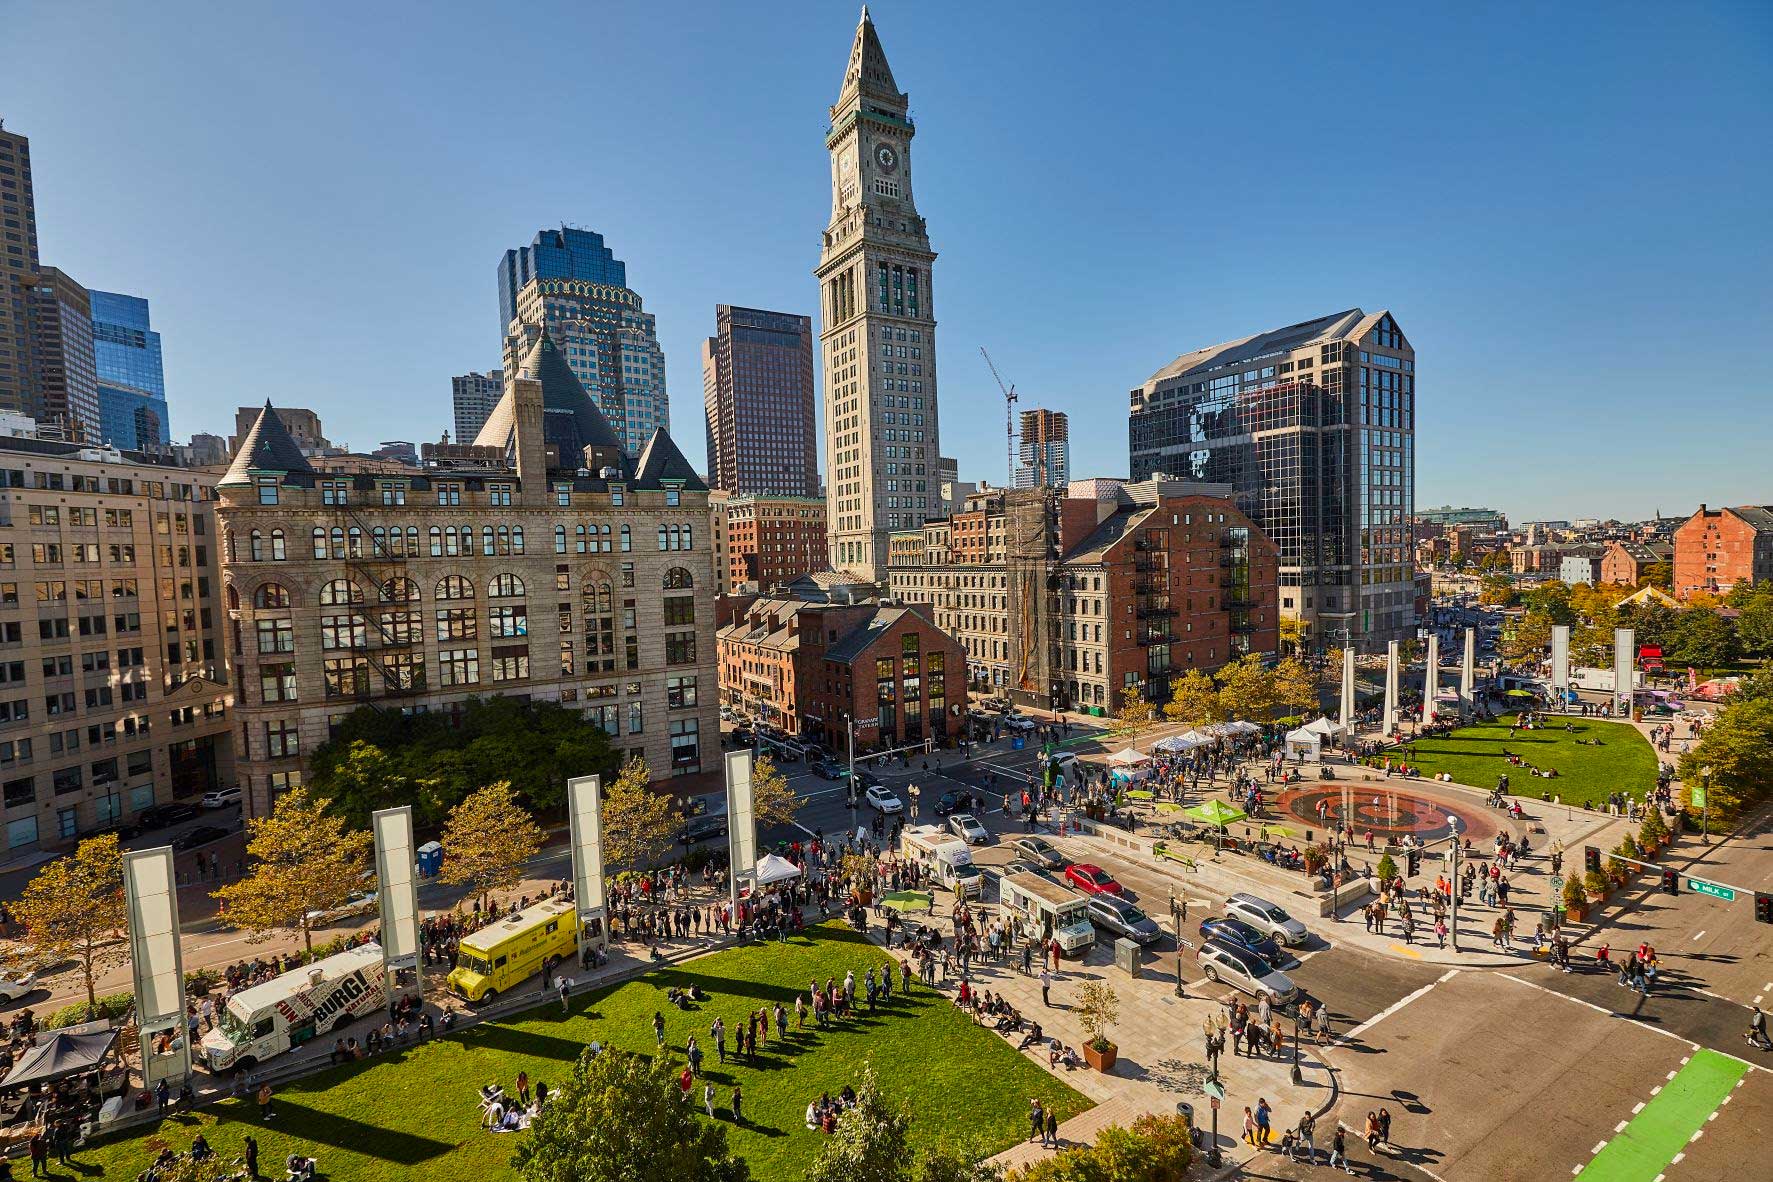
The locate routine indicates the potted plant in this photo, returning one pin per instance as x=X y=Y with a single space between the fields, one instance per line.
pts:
x=1575 y=901
x=1098 y=1008
x=1597 y=886
x=859 y=869
x=1316 y=857
x=1383 y=874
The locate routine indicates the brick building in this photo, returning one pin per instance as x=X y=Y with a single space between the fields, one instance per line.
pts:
x=550 y=567
x=1626 y=563
x=1063 y=601
x=770 y=540
x=812 y=669
x=1717 y=548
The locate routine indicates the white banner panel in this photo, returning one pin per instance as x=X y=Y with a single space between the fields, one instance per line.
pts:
x=584 y=814
x=1390 y=720
x=1347 y=718
x=1560 y=657
x=1468 y=671
x=741 y=824
x=396 y=868
x=150 y=894
x=1624 y=658
x=1431 y=677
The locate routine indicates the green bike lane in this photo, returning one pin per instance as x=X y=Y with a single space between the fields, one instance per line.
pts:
x=1657 y=1137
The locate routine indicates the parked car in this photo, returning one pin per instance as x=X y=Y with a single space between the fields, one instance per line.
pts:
x=358 y=902
x=200 y=836
x=949 y=802
x=882 y=799
x=966 y=827
x=1116 y=915
x=221 y=798
x=1242 y=969
x=702 y=828
x=830 y=769
x=1091 y=879
x=1039 y=851
x=161 y=815
x=1018 y=722
x=17 y=987
x=1267 y=917
x=1236 y=931
x=866 y=778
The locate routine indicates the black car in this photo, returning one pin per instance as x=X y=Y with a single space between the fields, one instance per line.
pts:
x=866 y=779
x=161 y=815
x=1241 y=934
x=950 y=803
x=830 y=769
x=201 y=835
x=702 y=829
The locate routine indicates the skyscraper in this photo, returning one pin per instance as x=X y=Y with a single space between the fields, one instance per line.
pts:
x=1043 y=455
x=62 y=373
x=877 y=343
x=570 y=282
x=18 y=262
x=131 y=382
x=473 y=395
x=1314 y=427
x=757 y=389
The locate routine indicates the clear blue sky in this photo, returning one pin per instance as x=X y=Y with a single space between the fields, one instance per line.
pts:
x=1566 y=206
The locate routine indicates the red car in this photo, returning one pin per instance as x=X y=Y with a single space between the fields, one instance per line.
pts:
x=1092 y=880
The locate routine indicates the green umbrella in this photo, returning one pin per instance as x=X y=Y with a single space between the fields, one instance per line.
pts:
x=1216 y=812
x=1520 y=693
x=908 y=900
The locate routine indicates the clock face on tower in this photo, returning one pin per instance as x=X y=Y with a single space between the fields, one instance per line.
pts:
x=886 y=158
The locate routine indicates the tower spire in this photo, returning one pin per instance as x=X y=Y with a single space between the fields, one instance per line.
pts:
x=868 y=72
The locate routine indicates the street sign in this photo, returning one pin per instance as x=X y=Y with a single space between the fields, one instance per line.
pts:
x=1214 y=1089
x=1214 y=1101
x=1557 y=886
x=1701 y=887
x=1696 y=795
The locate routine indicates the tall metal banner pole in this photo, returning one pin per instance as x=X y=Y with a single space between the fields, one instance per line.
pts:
x=1560 y=664
x=1468 y=674
x=1348 y=688
x=156 y=963
x=741 y=824
x=584 y=810
x=398 y=898
x=1431 y=677
x=1624 y=658
x=1390 y=687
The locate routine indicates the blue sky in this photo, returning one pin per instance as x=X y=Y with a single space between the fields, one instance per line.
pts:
x=1566 y=206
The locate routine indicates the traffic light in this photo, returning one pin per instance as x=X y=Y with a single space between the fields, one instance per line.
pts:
x=1591 y=859
x=1671 y=882
x=1414 y=859
x=1763 y=907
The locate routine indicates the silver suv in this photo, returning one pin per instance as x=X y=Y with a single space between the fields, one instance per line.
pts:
x=1266 y=917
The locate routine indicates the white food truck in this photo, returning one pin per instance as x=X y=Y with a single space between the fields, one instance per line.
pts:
x=946 y=858
x=1055 y=912
x=303 y=1004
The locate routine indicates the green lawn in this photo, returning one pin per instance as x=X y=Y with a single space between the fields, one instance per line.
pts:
x=415 y=1115
x=1474 y=755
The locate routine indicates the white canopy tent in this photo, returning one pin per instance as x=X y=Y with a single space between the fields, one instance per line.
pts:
x=771 y=869
x=1177 y=744
x=1197 y=738
x=1329 y=728
x=1245 y=728
x=1305 y=744
x=1128 y=757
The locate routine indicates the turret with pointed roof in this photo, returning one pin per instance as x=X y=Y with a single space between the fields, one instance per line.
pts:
x=268 y=449
x=660 y=461
x=868 y=71
x=570 y=420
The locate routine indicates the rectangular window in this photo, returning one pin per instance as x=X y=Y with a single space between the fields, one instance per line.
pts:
x=282 y=739
x=680 y=648
x=686 y=754
x=680 y=692
x=276 y=636
x=277 y=683
x=510 y=663
x=459 y=666
x=456 y=623
x=506 y=622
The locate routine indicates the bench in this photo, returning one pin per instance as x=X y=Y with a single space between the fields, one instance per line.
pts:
x=1164 y=851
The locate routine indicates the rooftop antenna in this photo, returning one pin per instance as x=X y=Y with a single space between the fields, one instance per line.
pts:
x=1009 y=420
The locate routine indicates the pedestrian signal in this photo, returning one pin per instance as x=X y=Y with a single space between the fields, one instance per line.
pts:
x=1415 y=862
x=1763 y=907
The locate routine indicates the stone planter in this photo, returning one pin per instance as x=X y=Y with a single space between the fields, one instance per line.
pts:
x=1575 y=913
x=1102 y=1060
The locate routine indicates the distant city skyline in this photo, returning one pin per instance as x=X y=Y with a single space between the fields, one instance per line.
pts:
x=1486 y=210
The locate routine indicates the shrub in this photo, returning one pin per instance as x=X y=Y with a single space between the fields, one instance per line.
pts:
x=1573 y=896
x=1154 y=1149
x=1628 y=846
x=1387 y=870
x=111 y=1005
x=1595 y=883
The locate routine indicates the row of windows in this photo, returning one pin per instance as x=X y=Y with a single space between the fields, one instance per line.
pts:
x=402 y=590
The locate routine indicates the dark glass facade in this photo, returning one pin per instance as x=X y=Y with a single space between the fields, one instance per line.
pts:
x=566 y=253
x=131 y=380
x=757 y=386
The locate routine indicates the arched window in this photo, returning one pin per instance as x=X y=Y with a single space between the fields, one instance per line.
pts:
x=451 y=587
x=338 y=542
x=270 y=596
x=412 y=541
x=233 y=598
x=664 y=539
x=517 y=539
x=356 y=550
x=506 y=586
x=627 y=540
x=228 y=547
x=278 y=551
x=256 y=544
x=340 y=591
x=560 y=539
x=603 y=541
x=319 y=542
x=466 y=534
x=399 y=590
x=579 y=539
x=504 y=539
x=678 y=579
x=486 y=541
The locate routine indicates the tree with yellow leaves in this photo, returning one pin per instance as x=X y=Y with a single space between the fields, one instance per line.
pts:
x=639 y=825
x=72 y=909
x=772 y=801
x=1194 y=699
x=1136 y=711
x=487 y=840
x=303 y=861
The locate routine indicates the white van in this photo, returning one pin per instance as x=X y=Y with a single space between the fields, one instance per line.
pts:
x=945 y=857
x=302 y=1004
x=1056 y=912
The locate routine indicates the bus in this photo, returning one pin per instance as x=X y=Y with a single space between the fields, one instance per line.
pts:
x=500 y=955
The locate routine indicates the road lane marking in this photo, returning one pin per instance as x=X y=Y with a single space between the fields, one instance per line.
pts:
x=1394 y=1007
x=1657 y=1136
x=1701 y=934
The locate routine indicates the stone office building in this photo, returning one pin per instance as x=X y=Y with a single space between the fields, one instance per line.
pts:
x=113 y=683
x=541 y=563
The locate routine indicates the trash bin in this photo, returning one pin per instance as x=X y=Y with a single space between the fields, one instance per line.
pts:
x=1017 y=743
x=430 y=860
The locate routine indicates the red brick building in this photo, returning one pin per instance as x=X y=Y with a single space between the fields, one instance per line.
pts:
x=1626 y=563
x=770 y=540
x=811 y=668
x=1717 y=548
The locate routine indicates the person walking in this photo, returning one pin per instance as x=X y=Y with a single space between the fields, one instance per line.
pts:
x=1052 y=1137
x=40 y=1153
x=1036 y=1122
x=564 y=988
x=659 y=1028
x=1385 y=1127
x=1264 y=1120
x=1046 y=986
x=708 y=1099
x=1249 y=1126
x=264 y=1098
x=1339 y=1151
x=738 y=1103
x=1307 y=1130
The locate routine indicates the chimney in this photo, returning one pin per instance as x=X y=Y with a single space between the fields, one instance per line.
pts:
x=532 y=460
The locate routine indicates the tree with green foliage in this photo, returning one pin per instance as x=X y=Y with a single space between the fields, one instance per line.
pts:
x=1657 y=574
x=1194 y=699
x=773 y=802
x=1737 y=748
x=302 y=861
x=1754 y=622
x=639 y=825
x=1530 y=638
x=1702 y=636
x=1551 y=599
x=1153 y=1149
x=870 y=1143
x=948 y=1162
x=1497 y=590
x=72 y=910
x=619 y=1118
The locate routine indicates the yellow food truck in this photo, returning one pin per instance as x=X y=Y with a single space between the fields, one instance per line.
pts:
x=496 y=958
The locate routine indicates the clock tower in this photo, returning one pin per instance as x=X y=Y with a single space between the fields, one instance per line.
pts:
x=877 y=340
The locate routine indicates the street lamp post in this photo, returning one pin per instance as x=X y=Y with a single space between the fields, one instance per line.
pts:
x=1298 y=1078
x=849 y=786
x=1705 y=804
x=1453 y=894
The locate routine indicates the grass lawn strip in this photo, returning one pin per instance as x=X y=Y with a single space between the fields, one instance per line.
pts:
x=1624 y=762
x=414 y=1114
x=1643 y=1150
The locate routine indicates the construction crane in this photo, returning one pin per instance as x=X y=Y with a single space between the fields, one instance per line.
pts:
x=1009 y=420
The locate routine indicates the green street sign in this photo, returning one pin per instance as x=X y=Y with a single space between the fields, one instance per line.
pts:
x=1696 y=795
x=1557 y=886
x=1214 y=1090
x=1701 y=887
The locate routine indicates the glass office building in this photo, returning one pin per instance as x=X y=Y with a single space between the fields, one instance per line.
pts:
x=131 y=382
x=566 y=253
x=1313 y=426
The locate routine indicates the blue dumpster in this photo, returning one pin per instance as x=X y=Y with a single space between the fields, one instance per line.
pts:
x=430 y=859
